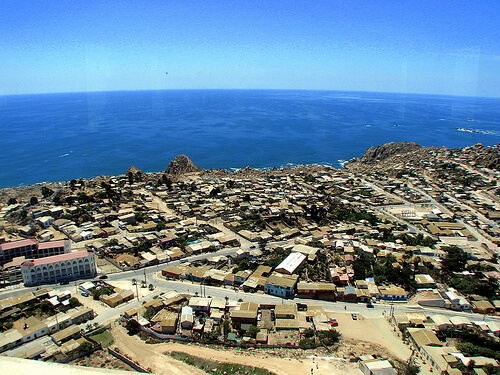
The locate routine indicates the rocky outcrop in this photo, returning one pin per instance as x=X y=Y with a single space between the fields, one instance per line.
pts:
x=488 y=157
x=381 y=153
x=180 y=165
x=137 y=174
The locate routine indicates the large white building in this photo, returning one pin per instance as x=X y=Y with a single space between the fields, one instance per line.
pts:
x=58 y=268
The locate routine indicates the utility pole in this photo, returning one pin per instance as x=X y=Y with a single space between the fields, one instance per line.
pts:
x=137 y=291
x=145 y=282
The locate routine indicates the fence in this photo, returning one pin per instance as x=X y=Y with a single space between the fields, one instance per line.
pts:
x=128 y=361
x=163 y=336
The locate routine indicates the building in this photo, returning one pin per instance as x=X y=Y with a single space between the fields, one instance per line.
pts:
x=245 y=313
x=326 y=291
x=31 y=248
x=200 y=304
x=281 y=285
x=483 y=307
x=117 y=298
x=291 y=263
x=71 y=266
x=376 y=367
x=425 y=281
x=392 y=293
x=420 y=337
x=440 y=358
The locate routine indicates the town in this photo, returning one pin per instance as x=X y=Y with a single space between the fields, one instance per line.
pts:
x=390 y=264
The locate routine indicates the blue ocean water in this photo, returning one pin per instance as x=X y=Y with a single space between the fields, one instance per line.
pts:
x=57 y=137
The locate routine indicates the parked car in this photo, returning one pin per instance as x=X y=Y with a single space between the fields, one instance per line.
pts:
x=84 y=294
x=333 y=322
x=103 y=277
x=370 y=305
x=354 y=316
x=64 y=283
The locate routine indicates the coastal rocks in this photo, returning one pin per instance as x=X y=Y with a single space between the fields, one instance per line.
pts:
x=381 y=153
x=137 y=174
x=180 y=165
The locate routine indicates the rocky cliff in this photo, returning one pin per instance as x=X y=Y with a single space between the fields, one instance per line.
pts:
x=180 y=165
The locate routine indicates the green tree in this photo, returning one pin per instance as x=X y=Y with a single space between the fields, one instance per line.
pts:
x=252 y=331
x=132 y=327
x=407 y=367
x=85 y=347
x=33 y=201
x=454 y=261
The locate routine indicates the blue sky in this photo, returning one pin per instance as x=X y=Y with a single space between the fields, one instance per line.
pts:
x=436 y=47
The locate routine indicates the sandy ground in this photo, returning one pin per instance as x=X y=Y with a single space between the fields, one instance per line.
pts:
x=101 y=359
x=151 y=355
x=359 y=337
x=106 y=267
x=377 y=332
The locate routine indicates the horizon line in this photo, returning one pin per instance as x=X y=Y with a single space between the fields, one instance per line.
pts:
x=249 y=89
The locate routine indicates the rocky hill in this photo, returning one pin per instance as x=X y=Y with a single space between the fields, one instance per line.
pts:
x=388 y=150
x=137 y=174
x=180 y=165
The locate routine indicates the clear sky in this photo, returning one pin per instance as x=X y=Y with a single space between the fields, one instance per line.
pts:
x=425 y=46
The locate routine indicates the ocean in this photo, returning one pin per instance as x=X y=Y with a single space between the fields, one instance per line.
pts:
x=58 y=137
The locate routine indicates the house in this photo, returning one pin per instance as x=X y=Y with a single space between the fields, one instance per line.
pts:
x=425 y=282
x=281 y=285
x=376 y=367
x=81 y=313
x=244 y=313
x=241 y=276
x=441 y=358
x=326 y=291
x=494 y=328
x=118 y=298
x=285 y=311
x=33 y=329
x=392 y=293
x=200 y=304
x=430 y=298
x=72 y=332
x=483 y=307
x=10 y=339
x=187 y=318
x=422 y=336
x=166 y=323
x=347 y=294
x=442 y=322
x=457 y=302
x=460 y=322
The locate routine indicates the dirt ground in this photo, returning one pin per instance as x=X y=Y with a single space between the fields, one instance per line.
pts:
x=377 y=333
x=101 y=359
x=279 y=361
x=106 y=267
x=373 y=336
